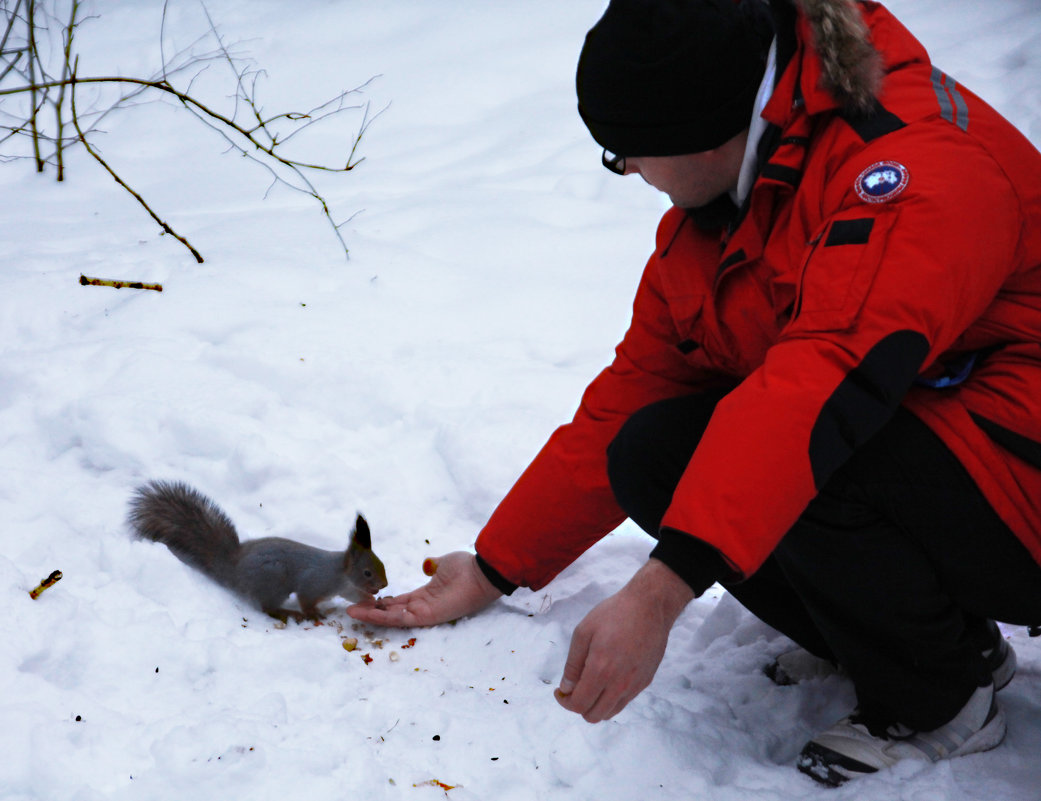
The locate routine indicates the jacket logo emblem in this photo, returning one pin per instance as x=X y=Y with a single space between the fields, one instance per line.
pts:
x=882 y=181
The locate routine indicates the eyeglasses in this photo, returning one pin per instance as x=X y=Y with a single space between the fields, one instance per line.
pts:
x=613 y=162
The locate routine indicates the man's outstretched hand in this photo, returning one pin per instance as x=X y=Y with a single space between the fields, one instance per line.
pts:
x=457 y=588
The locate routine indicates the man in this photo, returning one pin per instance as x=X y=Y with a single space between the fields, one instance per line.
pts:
x=829 y=399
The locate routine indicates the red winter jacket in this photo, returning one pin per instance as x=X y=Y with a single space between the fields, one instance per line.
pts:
x=875 y=249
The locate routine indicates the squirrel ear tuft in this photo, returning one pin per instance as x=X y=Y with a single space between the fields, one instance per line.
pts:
x=853 y=69
x=361 y=536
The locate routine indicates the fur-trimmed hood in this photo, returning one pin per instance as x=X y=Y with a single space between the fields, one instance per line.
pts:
x=852 y=68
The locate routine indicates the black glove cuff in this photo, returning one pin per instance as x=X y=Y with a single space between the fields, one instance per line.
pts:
x=693 y=560
x=495 y=577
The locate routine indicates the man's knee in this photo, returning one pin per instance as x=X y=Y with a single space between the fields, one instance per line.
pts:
x=873 y=491
x=630 y=457
x=650 y=452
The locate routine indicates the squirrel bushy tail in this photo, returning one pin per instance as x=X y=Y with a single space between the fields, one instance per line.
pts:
x=192 y=526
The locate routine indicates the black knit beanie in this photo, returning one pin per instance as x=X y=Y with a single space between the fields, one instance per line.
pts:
x=671 y=77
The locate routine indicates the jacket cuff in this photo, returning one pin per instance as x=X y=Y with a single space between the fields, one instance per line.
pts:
x=500 y=583
x=696 y=562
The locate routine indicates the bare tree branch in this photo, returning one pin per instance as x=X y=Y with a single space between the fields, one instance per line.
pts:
x=15 y=52
x=246 y=128
x=59 y=140
x=31 y=20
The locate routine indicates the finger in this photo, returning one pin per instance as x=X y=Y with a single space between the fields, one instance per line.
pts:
x=592 y=711
x=582 y=683
x=594 y=697
x=392 y=601
x=588 y=707
x=619 y=705
x=367 y=613
x=583 y=698
x=629 y=685
x=598 y=694
x=370 y=605
x=397 y=615
x=575 y=662
x=378 y=602
x=599 y=711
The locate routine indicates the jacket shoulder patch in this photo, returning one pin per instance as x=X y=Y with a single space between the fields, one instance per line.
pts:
x=882 y=181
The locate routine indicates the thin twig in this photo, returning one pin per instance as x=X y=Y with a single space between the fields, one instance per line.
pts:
x=97 y=157
x=12 y=16
x=16 y=52
x=12 y=132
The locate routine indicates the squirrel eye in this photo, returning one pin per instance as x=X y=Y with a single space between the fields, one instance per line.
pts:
x=368 y=574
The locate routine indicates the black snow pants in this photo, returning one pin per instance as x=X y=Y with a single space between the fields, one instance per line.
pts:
x=892 y=571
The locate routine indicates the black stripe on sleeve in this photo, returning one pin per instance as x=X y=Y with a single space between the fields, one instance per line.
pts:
x=867 y=397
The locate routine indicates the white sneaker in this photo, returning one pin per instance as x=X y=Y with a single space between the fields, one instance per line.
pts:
x=851 y=748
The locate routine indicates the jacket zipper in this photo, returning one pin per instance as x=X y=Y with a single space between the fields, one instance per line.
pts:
x=812 y=245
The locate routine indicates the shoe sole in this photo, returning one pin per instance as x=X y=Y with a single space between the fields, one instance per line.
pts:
x=828 y=767
x=832 y=769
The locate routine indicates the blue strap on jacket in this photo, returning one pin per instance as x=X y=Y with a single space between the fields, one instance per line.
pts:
x=955 y=372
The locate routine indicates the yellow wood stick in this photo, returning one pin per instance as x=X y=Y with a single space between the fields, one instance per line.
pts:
x=50 y=581
x=85 y=281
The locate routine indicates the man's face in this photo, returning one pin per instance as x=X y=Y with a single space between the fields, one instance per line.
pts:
x=696 y=179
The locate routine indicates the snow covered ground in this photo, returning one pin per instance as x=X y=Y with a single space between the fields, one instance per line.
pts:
x=492 y=267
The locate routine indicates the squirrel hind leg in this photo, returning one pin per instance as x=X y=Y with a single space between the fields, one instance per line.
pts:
x=299 y=616
x=283 y=615
x=309 y=607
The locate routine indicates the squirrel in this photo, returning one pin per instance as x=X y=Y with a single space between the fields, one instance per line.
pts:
x=264 y=572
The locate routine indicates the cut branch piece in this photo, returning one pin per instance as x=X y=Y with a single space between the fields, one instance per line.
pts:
x=87 y=281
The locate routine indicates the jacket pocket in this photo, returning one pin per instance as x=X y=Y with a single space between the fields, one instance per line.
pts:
x=839 y=270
